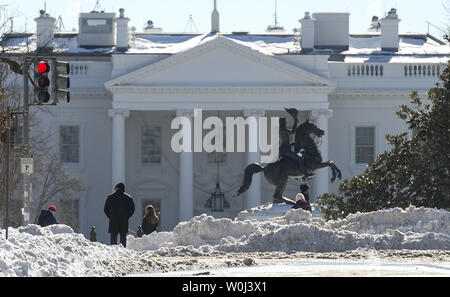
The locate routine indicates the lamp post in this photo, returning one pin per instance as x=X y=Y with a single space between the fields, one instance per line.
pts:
x=217 y=198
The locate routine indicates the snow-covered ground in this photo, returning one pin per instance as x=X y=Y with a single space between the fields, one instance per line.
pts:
x=415 y=241
x=314 y=268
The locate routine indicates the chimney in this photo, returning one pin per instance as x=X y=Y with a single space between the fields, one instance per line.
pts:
x=97 y=29
x=122 y=31
x=45 y=28
x=331 y=30
x=151 y=28
x=215 y=19
x=307 y=41
x=389 y=31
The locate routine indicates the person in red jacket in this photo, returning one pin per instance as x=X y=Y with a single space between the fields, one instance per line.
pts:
x=119 y=207
x=47 y=218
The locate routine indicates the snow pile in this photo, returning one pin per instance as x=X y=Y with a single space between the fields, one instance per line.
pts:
x=263 y=212
x=53 y=251
x=58 y=251
x=269 y=207
x=413 y=228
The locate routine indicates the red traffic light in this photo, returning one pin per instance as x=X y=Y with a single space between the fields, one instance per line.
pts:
x=43 y=67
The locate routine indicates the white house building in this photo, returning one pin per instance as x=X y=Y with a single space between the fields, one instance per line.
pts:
x=127 y=87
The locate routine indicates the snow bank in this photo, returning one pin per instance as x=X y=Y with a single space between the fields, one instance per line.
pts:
x=58 y=251
x=298 y=230
x=53 y=251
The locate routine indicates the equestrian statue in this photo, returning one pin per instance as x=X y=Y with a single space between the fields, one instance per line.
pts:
x=296 y=160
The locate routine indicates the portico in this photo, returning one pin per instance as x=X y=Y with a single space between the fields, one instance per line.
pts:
x=218 y=75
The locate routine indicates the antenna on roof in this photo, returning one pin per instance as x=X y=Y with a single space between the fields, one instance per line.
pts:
x=276 y=21
x=275 y=27
x=191 y=25
x=60 y=24
x=97 y=7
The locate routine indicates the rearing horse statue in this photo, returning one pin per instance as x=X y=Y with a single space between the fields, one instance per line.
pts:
x=279 y=172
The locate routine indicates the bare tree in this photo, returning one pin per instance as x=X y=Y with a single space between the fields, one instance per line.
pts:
x=54 y=182
x=50 y=180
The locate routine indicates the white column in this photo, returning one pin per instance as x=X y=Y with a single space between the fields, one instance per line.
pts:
x=186 y=173
x=118 y=144
x=321 y=179
x=253 y=156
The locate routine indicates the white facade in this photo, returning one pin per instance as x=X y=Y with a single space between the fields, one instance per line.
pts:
x=117 y=95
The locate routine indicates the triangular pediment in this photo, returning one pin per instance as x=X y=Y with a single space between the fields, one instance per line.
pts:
x=219 y=62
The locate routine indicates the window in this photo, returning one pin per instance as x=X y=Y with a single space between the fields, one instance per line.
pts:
x=69 y=144
x=96 y=25
x=151 y=145
x=365 y=145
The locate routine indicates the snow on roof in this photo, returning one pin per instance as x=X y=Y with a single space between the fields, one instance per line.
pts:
x=166 y=43
x=362 y=47
x=407 y=46
x=63 y=43
x=172 y=44
x=268 y=44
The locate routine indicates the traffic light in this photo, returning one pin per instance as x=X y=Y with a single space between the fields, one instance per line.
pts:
x=42 y=81
x=60 y=81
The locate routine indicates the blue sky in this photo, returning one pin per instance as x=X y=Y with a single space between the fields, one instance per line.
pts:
x=249 y=15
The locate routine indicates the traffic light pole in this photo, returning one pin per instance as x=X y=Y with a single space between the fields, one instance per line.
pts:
x=26 y=129
x=26 y=148
x=27 y=184
x=7 y=179
x=26 y=108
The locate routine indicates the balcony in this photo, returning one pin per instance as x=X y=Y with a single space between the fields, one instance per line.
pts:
x=386 y=76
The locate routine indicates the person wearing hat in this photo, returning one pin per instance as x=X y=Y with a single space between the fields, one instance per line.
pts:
x=300 y=202
x=119 y=207
x=46 y=218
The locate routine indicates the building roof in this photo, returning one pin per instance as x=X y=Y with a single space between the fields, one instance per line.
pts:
x=362 y=47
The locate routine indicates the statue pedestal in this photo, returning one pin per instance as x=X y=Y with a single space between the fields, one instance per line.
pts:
x=272 y=210
x=264 y=212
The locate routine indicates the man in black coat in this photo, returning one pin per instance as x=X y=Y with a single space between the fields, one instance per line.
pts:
x=119 y=207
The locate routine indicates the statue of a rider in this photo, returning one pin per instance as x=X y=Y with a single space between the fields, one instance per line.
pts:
x=286 y=146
